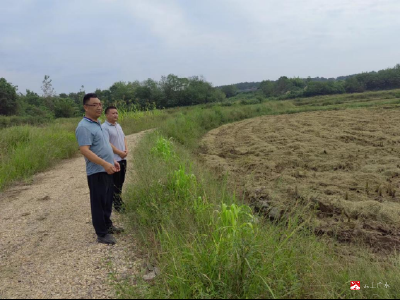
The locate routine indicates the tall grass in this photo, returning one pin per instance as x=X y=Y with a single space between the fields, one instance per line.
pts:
x=137 y=121
x=18 y=121
x=26 y=150
x=208 y=244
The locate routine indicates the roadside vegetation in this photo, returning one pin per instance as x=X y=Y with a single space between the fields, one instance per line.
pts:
x=209 y=244
x=26 y=150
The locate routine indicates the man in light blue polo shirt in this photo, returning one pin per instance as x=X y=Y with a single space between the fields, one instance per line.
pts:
x=120 y=147
x=100 y=165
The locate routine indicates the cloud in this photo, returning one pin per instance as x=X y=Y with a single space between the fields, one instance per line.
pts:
x=99 y=42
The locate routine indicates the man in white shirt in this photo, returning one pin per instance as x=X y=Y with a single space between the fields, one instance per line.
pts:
x=120 y=149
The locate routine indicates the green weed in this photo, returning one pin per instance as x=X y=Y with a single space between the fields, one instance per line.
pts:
x=163 y=149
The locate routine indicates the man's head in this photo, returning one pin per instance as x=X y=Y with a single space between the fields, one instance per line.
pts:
x=92 y=106
x=112 y=114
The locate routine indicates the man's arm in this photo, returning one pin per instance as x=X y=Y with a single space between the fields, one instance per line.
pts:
x=90 y=155
x=121 y=154
x=126 y=147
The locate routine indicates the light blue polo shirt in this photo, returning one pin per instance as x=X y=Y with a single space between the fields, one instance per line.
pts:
x=117 y=137
x=90 y=133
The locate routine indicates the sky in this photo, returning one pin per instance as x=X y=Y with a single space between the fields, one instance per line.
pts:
x=95 y=43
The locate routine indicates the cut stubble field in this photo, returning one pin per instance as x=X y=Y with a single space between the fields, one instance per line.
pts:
x=340 y=169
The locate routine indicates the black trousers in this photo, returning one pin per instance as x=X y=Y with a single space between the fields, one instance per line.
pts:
x=101 y=198
x=119 y=179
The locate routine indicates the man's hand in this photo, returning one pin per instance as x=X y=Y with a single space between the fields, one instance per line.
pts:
x=91 y=156
x=110 y=169
x=117 y=166
x=123 y=154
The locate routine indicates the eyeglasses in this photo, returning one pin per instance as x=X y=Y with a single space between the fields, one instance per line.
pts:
x=95 y=104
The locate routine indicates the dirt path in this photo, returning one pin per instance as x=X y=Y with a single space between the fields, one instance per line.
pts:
x=48 y=247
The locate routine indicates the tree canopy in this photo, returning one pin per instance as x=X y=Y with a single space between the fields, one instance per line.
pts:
x=8 y=98
x=170 y=91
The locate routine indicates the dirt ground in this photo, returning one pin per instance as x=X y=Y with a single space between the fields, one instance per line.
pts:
x=48 y=247
x=340 y=168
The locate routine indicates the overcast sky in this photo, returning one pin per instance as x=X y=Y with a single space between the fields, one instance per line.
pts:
x=98 y=42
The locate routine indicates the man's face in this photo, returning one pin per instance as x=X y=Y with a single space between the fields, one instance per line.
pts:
x=94 y=108
x=112 y=115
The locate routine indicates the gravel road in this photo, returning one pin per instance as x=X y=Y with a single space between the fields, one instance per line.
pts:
x=48 y=247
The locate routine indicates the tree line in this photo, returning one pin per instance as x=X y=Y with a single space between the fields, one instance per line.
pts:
x=286 y=88
x=170 y=91
x=173 y=91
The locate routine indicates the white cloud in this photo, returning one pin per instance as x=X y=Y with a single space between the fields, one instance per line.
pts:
x=98 y=42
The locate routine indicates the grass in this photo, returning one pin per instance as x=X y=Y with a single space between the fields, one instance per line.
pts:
x=208 y=244
x=18 y=121
x=27 y=150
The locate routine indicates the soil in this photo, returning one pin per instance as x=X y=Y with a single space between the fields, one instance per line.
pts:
x=48 y=247
x=341 y=169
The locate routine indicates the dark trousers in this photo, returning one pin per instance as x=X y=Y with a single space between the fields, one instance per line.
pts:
x=101 y=197
x=119 y=179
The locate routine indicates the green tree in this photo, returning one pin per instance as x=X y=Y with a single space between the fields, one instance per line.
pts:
x=8 y=98
x=230 y=90
x=217 y=95
x=155 y=93
x=172 y=87
x=65 y=108
x=197 y=91
x=33 y=105
x=282 y=86
x=123 y=91
x=33 y=99
x=268 y=88
x=317 y=88
x=352 y=85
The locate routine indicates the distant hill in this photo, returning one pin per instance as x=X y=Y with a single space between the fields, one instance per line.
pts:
x=244 y=87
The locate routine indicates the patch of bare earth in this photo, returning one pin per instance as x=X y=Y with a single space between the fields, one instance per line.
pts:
x=341 y=167
x=48 y=247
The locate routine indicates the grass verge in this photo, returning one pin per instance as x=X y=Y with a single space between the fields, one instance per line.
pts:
x=27 y=150
x=208 y=244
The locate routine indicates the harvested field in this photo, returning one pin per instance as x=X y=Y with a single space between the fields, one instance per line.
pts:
x=341 y=169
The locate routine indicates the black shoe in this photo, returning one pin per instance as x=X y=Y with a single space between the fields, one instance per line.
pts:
x=108 y=239
x=115 y=230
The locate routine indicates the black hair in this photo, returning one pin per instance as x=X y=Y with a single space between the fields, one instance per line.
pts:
x=88 y=97
x=110 y=107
